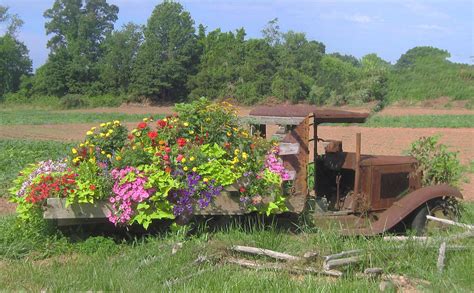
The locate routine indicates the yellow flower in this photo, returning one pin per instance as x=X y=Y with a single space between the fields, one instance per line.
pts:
x=93 y=128
x=235 y=129
x=183 y=160
x=116 y=122
x=111 y=131
x=186 y=124
x=89 y=133
x=185 y=168
x=194 y=169
x=109 y=156
x=165 y=119
x=74 y=151
x=229 y=134
x=208 y=119
x=244 y=155
x=205 y=180
x=236 y=152
x=102 y=152
x=107 y=134
x=134 y=147
x=191 y=132
x=101 y=135
x=118 y=158
x=75 y=160
x=108 y=123
x=145 y=119
x=138 y=134
x=192 y=159
x=81 y=145
x=134 y=130
x=235 y=161
x=102 y=124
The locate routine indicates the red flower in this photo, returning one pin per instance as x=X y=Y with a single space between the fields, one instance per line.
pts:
x=242 y=189
x=92 y=187
x=168 y=169
x=130 y=136
x=161 y=123
x=181 y=142
x=167 y=149
x=142 y=125
x=152 y=134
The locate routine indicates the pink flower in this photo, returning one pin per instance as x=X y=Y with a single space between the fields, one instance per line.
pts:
x=179 y=158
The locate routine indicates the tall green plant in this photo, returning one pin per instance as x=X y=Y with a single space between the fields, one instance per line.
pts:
x=437 y=164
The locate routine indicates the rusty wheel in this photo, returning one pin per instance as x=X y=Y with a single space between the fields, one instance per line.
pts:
x=440 y=208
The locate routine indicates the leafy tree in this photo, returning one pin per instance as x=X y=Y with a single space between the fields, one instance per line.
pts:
x=168 y=54
x=290 y=84
x=14 y=60
x=14 y=63
x=120 y=52
x=346 y=58
x=218 y=70
x=421 y=53
x=78 y=29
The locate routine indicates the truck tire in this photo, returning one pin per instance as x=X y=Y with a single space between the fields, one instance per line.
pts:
x=441 y=208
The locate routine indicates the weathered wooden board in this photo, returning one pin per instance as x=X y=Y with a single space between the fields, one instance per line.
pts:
x=271 y=120
x=287 y=148
x=226 y=203
x=56 y=209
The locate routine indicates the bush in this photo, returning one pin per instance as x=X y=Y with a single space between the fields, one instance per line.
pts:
x=437 y=164
x=73 y=101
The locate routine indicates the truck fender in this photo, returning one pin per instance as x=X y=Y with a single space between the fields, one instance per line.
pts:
x=409 y=203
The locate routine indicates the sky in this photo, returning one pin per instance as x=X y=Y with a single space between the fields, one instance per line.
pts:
x=356 y=27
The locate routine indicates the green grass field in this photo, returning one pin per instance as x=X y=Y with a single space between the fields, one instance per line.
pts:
x=422 y=121
x=35 y=117
x=32 y=261
x=31 y=116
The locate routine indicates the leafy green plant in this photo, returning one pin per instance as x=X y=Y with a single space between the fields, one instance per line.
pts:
x=436 y=163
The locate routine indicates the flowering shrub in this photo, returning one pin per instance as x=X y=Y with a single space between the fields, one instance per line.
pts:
x=164 y=169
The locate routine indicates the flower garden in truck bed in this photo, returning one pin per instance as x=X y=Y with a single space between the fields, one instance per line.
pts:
x=164 y=169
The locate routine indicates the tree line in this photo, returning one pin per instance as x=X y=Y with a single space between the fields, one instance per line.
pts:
x=171 y=59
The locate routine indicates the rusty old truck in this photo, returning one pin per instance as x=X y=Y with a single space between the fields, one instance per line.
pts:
x=361 y=194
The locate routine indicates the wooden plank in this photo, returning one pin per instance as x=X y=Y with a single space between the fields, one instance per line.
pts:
x=272 y=120
x=56 y=209
x=287 y=148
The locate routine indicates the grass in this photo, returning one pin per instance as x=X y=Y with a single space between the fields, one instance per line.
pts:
x=16 y=154
x=422 y=121
x=31 y=116
x=32 y=261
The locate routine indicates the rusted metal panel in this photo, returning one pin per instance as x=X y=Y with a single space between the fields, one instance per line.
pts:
x=298 y=163
x=344 y=160
x=386 y=192
x=400 y=209
x=321 y=115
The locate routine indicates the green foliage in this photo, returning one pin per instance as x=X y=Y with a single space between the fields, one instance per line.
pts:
x=78 y=30
x=92 y=65
x=92 y=184
x=14 y=63
x=437 y=164
x=424 y=73
x=120 y=53
x=167 y=55
x=39 y=117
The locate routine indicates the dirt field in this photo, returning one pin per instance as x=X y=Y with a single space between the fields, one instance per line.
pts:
x=383 y=141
